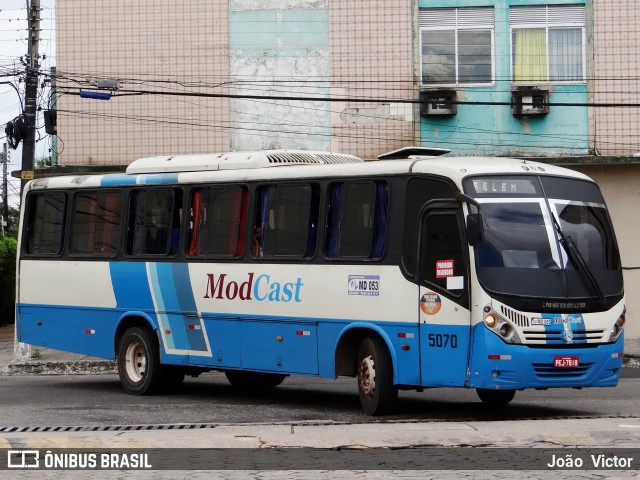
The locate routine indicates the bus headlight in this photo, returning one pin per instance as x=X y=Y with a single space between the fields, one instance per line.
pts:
x=491 y=320
x=618 y=326
x=501 y=327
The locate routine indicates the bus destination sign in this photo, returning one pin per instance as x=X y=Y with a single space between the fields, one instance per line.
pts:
x=504 y=186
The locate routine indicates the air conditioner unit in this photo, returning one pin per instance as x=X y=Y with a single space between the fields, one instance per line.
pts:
x=438 y=102
x=529 y=101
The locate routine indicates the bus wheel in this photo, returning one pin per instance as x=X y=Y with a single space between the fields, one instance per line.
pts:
x=495 y=398
x=378 y=394
x=253 y=380
x=139 y=362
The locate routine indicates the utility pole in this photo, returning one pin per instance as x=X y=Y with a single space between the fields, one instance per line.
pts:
x=31 y=92
x=5 y=196
x=5 y=193
x=22 y=351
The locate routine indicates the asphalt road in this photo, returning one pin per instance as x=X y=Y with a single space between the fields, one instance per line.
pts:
x=64 y=400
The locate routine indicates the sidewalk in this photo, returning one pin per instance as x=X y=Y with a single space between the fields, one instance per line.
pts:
x=50 y=361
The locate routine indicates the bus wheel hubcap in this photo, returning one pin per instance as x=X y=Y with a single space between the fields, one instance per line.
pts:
x=366 y=376
x=136 y=361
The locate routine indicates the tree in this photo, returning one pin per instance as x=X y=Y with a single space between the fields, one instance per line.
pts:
x=8 y=249
x=11 y=230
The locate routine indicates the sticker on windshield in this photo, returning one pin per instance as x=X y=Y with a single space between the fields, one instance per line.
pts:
x=444 y=268
x=430 y=303
x=455 y=283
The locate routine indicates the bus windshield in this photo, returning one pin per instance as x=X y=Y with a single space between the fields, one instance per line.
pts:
x=523 y=253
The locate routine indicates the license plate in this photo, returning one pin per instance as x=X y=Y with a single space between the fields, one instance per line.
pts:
x=565 y=361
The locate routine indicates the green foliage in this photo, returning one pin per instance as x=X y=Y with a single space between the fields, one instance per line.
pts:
x=43 y=162
x=13 y=221
x=8 y=248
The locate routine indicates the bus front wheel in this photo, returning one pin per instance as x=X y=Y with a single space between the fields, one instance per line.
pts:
x=139 y=362
x=378 y=394
x=495 y=398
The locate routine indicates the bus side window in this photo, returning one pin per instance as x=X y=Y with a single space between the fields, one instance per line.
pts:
x=219 y=221
x=45 y=223
x=442 y=247
x=286 y=221
x=418 y=192
x=357 y=220
x=154 y=220
x=95 y=223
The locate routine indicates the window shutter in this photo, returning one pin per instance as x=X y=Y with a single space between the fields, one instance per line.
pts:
x=456 y=17
x=547 y=15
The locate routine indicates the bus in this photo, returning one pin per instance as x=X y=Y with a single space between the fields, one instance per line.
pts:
x=412 y=271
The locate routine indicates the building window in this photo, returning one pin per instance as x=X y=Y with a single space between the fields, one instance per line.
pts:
x=456 y=45
x=547 y=43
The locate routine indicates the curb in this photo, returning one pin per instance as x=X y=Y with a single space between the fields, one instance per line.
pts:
x=631 y=361
x=61 y=368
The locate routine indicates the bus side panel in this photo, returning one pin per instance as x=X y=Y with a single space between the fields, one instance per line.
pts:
x=142 y=287
x=67 y=305
x=444 y=355
x=224 y=336
x=84 y=331
x=402 y=341
x=280 y=346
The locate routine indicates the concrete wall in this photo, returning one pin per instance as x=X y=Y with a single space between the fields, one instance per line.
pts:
x=620 y=186
x=279 y=48
x=285 y=48
x=616 y=41
x=163 y=45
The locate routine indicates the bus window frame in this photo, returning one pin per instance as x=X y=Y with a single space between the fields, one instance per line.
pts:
x=122 y=230
x=326 y=211
x=440 y=207
x=410 y=270
x=24 y=247
x=255 y=214
x=241 y=247
x=129 y=231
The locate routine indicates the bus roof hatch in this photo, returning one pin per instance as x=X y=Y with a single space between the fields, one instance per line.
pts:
x=408 y=152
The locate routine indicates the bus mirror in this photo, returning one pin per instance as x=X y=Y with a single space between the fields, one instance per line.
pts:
x=475 y=230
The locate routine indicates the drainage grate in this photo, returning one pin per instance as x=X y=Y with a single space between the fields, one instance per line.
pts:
x=106 y=428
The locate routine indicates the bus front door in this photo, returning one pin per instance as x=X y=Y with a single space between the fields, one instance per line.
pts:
x=445 y=320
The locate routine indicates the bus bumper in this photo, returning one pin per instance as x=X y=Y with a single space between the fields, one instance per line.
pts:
x=497 y=365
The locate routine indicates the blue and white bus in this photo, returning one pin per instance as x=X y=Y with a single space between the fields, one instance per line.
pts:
x=412 y=271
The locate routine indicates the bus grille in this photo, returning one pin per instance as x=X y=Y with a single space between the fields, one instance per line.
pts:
x=579 y=336
x=517 y=318
x=547 y=370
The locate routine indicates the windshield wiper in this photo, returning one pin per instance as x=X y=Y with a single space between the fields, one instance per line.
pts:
x=578 y=261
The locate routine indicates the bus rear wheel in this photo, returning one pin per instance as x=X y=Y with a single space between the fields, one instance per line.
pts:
x=254 y=380
x=378 y=394
x=495 y=398
x=139 y=362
